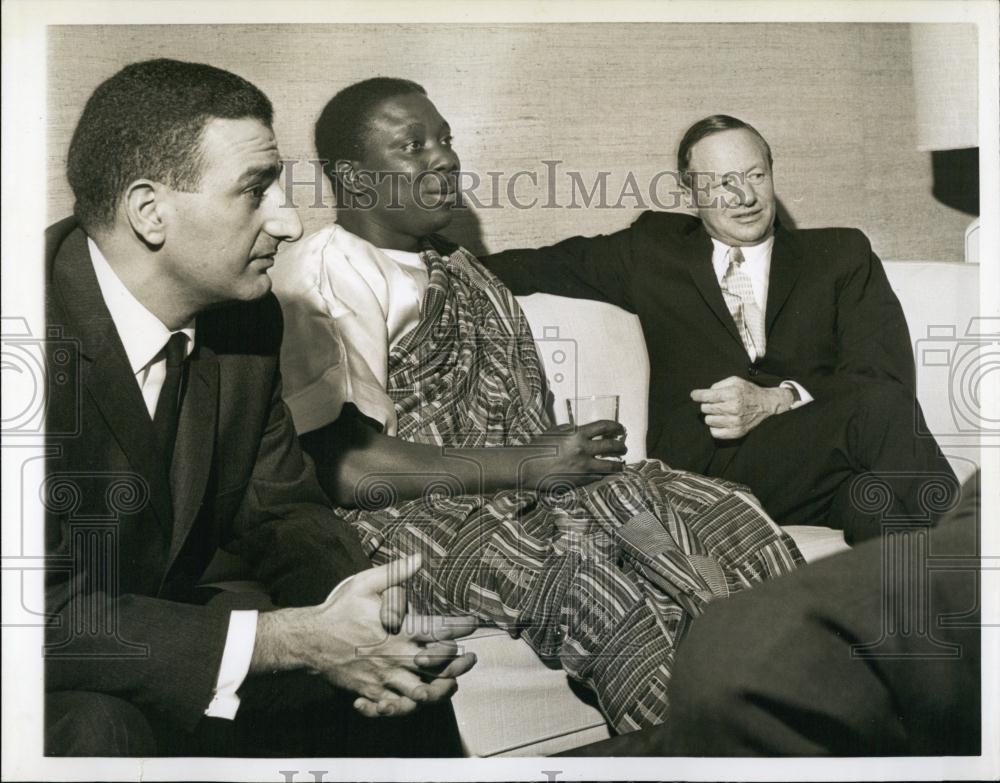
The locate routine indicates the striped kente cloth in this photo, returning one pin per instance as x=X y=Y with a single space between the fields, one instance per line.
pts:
x=604 y=578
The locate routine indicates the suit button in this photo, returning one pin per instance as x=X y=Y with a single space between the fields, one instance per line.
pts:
x=753 y=370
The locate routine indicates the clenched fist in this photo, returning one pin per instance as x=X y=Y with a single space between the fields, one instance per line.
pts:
x=733 y=406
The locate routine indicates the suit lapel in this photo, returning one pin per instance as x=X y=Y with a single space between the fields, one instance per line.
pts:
x=110 y=381
x=785 y=267
x=112 y=386
x=194 y=449
x=699 y=251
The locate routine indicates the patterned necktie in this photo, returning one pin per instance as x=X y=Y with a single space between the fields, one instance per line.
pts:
x=737 y=290
x=168 y=404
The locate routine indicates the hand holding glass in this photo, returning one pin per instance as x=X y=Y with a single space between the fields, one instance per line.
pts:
x=599 y=407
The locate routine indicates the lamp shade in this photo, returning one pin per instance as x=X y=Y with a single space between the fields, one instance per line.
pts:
x=945 y=80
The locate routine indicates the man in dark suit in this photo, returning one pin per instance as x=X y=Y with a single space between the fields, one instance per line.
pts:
x=778 y=358
x=174 y=442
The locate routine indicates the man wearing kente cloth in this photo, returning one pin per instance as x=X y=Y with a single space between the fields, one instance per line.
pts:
x=414 y=383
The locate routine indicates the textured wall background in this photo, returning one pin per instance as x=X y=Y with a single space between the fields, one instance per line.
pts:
x=834 y=100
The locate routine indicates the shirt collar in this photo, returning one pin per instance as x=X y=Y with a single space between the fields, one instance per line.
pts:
x=142 y=334
x=755 y=256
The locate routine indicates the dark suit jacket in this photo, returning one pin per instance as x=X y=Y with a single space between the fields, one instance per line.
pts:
x=128 y=543
x=831 y=317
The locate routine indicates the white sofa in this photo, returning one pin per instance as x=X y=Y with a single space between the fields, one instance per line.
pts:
x=511 y=704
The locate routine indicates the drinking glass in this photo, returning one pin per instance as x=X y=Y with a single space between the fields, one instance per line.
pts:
x=583 y=410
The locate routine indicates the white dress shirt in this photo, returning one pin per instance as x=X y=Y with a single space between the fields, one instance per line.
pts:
x=757 y=265
x=144 y=336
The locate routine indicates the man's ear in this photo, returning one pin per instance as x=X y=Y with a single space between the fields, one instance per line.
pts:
x=349 y=174
x=144 y=210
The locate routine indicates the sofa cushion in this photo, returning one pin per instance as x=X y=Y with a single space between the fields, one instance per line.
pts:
x=953 y=349
x=590 y=348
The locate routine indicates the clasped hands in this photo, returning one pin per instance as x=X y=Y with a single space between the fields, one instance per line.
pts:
x=734 y=406
x=361 y=639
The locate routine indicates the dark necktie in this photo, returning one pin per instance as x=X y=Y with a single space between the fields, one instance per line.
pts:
x=168 y=405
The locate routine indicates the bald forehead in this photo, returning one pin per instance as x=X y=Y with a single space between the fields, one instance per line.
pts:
x=735 y=149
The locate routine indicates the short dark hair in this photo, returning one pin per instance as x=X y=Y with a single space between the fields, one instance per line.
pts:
x=709 y=126
x=342 y=128
x=147 y=121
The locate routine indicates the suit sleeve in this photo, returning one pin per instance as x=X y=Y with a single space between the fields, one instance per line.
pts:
x=136 y=647
x=299 y=548
x=598 y=268
x=872 y=338
x=164 y=655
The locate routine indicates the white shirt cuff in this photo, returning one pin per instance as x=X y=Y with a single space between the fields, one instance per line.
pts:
x=804 y=397
x=236 y=656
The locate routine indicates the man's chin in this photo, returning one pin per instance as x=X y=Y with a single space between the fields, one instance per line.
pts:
x=438 y=218
x=259 y=287
x=752 y=233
